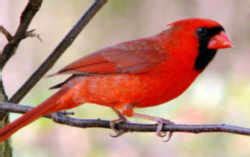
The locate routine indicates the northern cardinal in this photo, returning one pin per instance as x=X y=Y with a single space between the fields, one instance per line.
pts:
x=135 y=74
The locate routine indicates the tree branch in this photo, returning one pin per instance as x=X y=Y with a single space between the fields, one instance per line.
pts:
x=8 y=51
x=27 y=15
x=6 y=33
x=58 y=51
x=60 y=117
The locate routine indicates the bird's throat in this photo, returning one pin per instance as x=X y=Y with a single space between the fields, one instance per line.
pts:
x=204 y=57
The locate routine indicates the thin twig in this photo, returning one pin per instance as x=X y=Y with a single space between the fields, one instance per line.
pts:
x=6 y=33
x=131 y=127
x=31 y=33
x=27 y=15
x=58 y=51
x=16 y=108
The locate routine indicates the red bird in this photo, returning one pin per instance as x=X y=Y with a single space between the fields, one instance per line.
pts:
x=135 y=74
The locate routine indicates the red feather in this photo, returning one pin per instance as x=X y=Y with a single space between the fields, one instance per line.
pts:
x=130 y=57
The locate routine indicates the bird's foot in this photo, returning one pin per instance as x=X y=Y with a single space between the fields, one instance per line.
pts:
x=113 y=125
x=67 y=113
x=160 y=124
x=58 y=116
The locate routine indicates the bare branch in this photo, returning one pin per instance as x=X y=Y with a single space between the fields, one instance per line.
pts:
x=27 y=15
x=60 y=117
x=58 y=51
x=31 y=33
x=16 y=108
x=6 y=33
x=8 y=51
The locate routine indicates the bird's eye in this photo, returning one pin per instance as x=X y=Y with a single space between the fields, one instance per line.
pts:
x=202 y=31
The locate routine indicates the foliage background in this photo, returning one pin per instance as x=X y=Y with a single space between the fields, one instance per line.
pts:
x=220 y=95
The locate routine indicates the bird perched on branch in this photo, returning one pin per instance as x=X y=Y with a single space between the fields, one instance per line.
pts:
x=135 y=74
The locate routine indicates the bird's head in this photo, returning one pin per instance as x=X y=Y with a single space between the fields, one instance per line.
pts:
x=205 y=35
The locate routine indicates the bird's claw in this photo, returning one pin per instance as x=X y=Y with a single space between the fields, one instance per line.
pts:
x=117 y=132
x=160 y=124
x=59 y=115
x=67 y=113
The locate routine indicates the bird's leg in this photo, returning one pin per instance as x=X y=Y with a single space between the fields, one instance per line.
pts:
x=160 y=121
x=113 y=123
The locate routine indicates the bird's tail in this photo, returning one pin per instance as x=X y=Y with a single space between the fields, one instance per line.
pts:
x=59 y=101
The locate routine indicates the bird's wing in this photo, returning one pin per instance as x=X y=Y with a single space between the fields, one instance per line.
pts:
x=134 y=57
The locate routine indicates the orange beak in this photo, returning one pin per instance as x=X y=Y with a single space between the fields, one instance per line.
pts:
x=220 y=41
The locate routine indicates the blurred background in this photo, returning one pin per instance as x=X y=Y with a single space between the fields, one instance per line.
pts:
x=220 y=95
